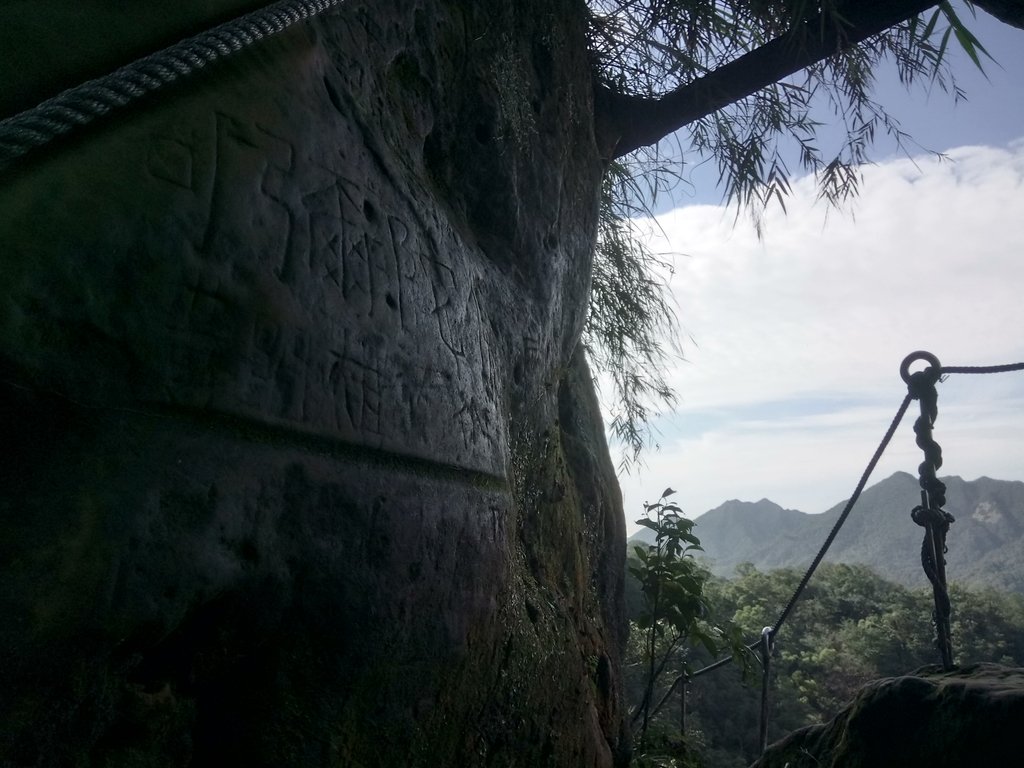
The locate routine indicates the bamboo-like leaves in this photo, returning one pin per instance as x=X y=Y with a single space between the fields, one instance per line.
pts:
x=649 y=48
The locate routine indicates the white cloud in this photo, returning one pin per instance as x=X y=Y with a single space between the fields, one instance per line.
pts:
x=794 y=374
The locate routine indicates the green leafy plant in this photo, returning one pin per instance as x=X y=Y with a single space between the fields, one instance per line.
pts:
x=675 y=617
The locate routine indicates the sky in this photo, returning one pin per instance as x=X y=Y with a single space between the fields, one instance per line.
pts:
x=792 y=343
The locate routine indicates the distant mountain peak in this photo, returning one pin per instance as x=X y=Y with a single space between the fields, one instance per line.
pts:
x=984 y=543
x=763 y=504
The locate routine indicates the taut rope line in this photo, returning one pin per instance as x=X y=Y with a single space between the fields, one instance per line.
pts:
x=83 y=104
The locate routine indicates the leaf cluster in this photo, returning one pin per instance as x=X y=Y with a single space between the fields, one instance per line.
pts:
x=671 y=581
x=675 y=618
x=652 y=47
x=631 y=331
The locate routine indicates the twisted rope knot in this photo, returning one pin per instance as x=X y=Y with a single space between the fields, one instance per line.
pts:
x=921 y=386
x=930 y=484
x=937 y=522
x=940 y=519
x=930 y=515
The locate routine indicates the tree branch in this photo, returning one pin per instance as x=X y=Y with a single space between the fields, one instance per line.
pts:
x=1007 y=11
x=630 y=122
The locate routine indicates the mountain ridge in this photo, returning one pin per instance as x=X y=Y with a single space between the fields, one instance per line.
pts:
x=985 y=543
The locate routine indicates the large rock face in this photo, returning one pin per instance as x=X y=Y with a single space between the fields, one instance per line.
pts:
x=961 y=719
x=300 y=466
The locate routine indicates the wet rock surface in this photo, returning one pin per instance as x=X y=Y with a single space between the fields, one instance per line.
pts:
x=301 y=466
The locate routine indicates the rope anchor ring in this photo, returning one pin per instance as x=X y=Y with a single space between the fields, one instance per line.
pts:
x=912 y=358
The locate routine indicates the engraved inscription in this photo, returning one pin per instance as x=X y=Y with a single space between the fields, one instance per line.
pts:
x=314 y=293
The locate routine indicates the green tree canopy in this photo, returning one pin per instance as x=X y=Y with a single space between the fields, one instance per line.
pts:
x=850 y=626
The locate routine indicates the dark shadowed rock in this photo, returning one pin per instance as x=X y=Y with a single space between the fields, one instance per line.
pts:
x=966 y=718
x=299 y=466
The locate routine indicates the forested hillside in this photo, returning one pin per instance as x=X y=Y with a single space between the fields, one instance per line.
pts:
x=851 y=626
